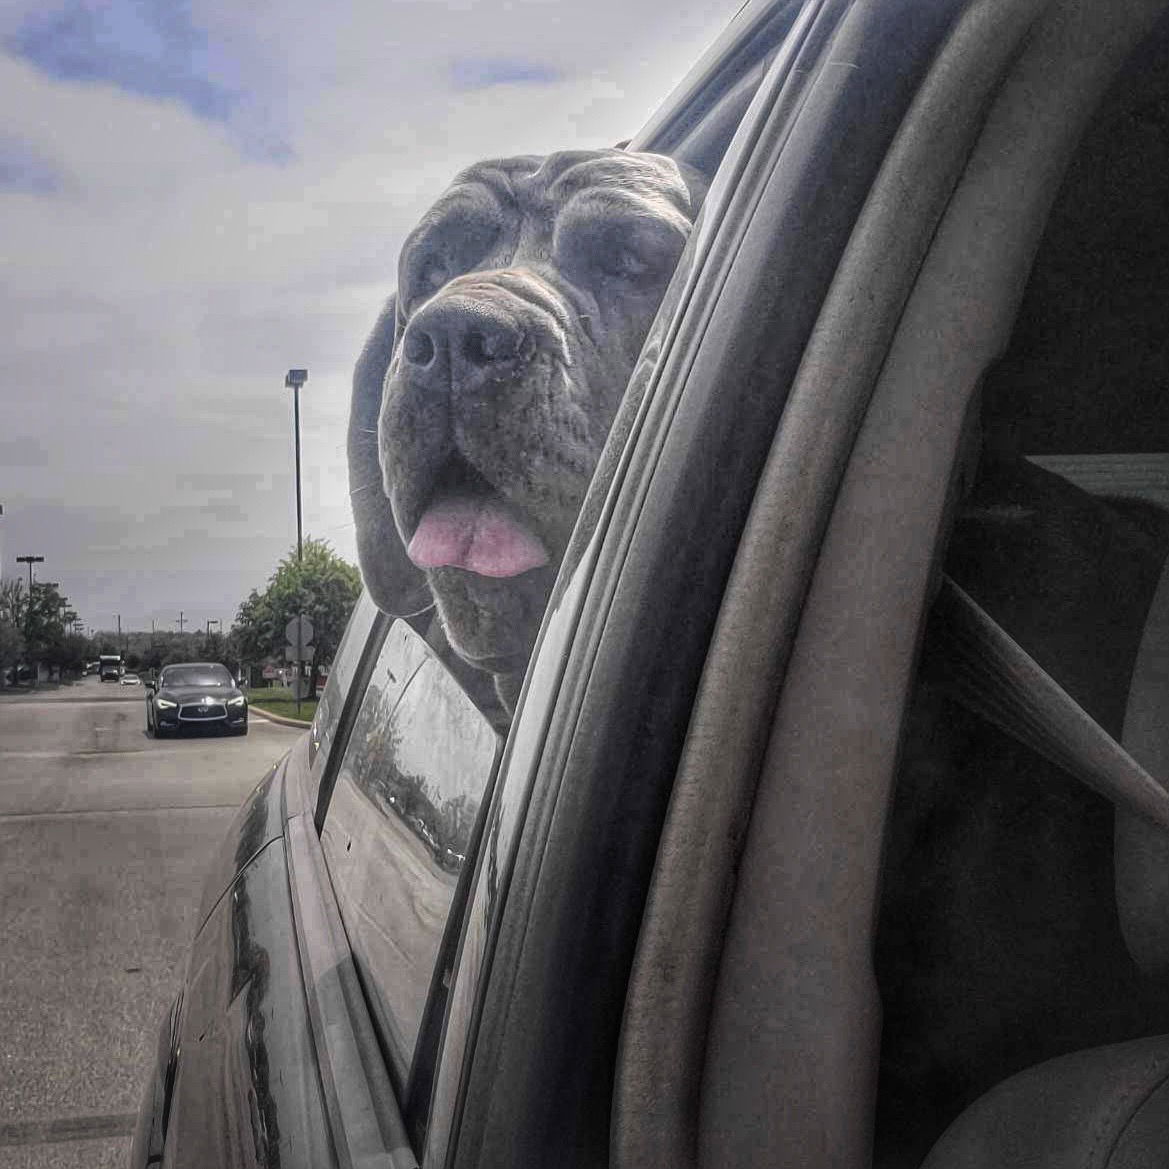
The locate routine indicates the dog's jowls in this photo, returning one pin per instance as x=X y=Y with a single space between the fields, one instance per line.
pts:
x=486 y=390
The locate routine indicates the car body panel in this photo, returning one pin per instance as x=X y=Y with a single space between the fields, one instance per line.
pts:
x=259 y=821
x=247 y=1090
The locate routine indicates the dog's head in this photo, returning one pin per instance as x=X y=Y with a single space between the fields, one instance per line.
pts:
x=484 y=396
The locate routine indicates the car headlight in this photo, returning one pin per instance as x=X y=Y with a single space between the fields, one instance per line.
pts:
x=238 y=700
x=165 y=704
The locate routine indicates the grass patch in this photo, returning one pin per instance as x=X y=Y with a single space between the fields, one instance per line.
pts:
x=279 y=700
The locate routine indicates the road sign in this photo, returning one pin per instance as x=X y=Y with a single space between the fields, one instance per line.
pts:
x=306 y=630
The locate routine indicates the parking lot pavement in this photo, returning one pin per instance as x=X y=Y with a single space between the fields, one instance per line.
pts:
x=104 y=837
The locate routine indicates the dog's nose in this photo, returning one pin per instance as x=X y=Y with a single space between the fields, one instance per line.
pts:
x=462 y=344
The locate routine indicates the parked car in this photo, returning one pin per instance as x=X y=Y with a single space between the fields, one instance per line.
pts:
x=669 y=921
x=130 y=680
x=189 y=695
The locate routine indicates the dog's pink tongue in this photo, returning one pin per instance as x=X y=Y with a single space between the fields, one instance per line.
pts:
x=479 y=535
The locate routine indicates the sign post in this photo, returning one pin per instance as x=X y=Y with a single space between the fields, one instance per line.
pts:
x=299 y=632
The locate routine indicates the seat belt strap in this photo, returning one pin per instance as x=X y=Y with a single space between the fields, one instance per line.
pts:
x=987 y=671
x=1141 y=852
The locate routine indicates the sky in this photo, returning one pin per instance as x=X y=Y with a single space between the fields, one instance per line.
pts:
x=196 y=196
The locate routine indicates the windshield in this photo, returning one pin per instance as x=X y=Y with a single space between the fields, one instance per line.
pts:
x=196 y=676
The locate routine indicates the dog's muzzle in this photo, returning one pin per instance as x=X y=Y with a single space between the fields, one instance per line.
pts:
x=473 y=351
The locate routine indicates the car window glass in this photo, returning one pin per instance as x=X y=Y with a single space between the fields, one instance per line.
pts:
x=210 y=675
x=328 y=712
x=397 y=832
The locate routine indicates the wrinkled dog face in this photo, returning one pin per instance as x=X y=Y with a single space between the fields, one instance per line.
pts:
x=524 y=297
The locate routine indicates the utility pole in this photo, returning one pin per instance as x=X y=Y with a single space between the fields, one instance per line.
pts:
x=180 y=620
x=294 y=379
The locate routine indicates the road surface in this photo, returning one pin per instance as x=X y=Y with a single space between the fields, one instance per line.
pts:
x=104 y=838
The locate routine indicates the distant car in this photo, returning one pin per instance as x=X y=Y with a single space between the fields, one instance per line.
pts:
x=191 y=694
x=131 y=680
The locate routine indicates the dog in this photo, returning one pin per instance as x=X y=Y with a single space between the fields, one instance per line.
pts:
x=485 y=392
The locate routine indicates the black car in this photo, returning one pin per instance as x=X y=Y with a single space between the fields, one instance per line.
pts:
x=195 y=694
x=789 y=856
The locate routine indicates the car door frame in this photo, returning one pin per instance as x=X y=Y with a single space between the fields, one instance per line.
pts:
x=533 y=973
x=1008 y=101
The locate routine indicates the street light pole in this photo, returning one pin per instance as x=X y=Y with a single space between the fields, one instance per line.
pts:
x=294 y=379
x=30 y=561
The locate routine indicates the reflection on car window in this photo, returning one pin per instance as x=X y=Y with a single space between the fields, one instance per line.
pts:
x=399 y=823
x=328 y=712
x=195 y=676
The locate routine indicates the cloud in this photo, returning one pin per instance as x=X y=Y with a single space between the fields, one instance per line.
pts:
x=22 y=452
x=482 y=73
x=158 y=290
x=153 y=49
x=147 y=47
x=24 y=169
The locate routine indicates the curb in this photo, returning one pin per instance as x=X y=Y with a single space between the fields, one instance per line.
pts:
x=278 y=718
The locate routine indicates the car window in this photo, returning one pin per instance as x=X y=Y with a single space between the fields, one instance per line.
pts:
x=332 y=701
x=399 y=825
x=210 y=675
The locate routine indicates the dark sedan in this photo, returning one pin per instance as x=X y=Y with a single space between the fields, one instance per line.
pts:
x=193 y=694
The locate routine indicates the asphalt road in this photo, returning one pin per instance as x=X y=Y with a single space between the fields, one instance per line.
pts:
x=104 y=838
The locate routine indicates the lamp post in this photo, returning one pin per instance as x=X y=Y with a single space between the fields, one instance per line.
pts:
x=294 y=379
x=30 y=561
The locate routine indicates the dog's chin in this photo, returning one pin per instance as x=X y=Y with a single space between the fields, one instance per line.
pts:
x=491 y=622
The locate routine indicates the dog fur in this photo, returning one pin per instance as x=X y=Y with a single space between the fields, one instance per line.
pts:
x=486 y=390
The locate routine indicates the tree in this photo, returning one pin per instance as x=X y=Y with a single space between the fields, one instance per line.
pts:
x=321 y=585
x=11 y=614
x=44 y=633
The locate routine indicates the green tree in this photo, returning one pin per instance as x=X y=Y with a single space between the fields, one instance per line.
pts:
x=321 y=585
x=11 y=624
x=44 y=632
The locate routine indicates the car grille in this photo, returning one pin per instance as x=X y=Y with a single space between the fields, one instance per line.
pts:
x=201 y=713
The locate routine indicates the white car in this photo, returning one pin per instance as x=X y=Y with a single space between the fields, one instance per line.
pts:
x=130 y=680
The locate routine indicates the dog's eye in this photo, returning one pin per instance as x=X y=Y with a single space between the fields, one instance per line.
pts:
x=432 y=276
x=622 y=262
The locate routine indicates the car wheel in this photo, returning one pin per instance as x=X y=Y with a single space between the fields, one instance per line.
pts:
x=240 y=730
x=149 y=719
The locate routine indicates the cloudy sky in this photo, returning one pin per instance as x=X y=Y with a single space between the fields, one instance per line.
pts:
x=196 y=195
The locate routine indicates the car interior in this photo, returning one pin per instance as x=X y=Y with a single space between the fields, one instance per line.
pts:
x=1022 y=947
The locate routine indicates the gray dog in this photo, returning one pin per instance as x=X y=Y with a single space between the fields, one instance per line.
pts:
x=484 y=395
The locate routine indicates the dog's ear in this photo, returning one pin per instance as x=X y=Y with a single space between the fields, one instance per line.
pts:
x=396 y=586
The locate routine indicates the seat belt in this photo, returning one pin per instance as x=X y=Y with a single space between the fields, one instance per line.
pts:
x=989 y=673
x=1141 y=853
